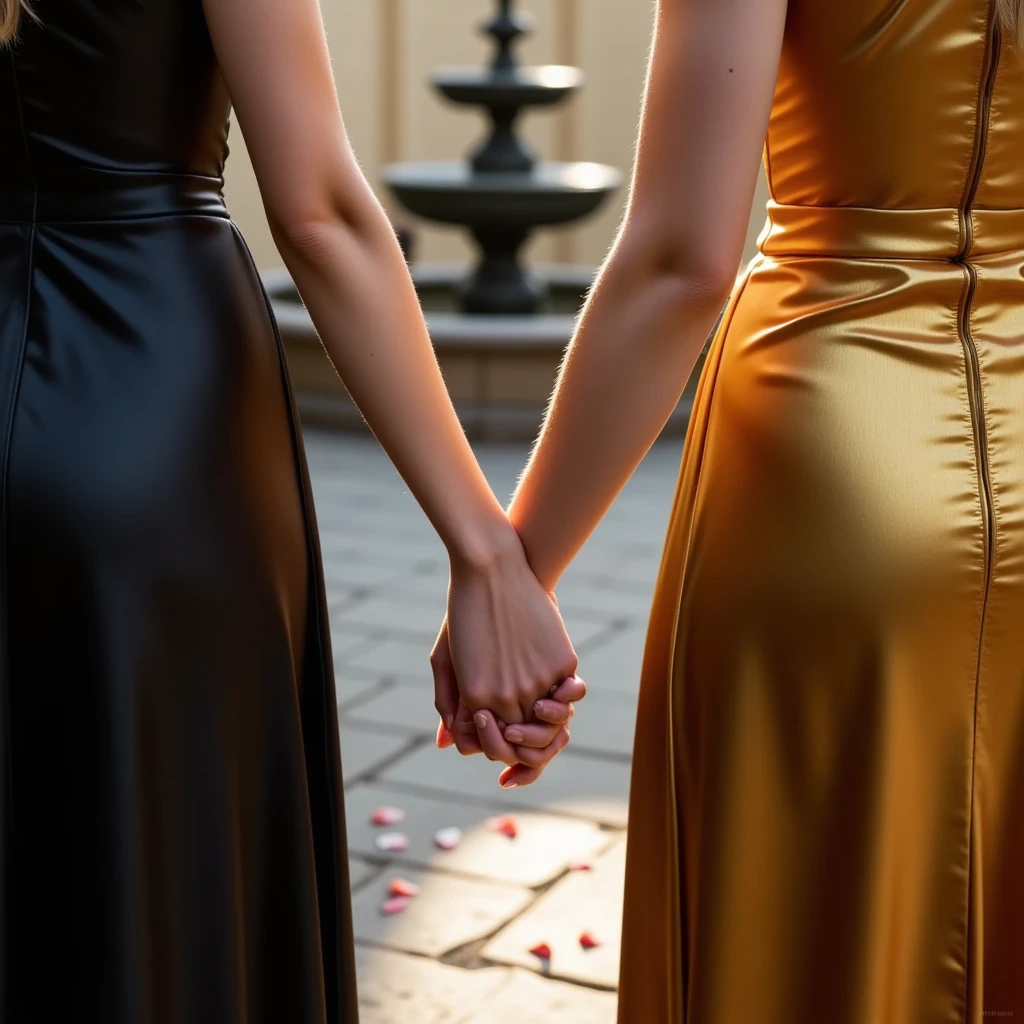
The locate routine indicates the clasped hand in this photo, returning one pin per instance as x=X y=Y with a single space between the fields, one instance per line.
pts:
x=504 y=668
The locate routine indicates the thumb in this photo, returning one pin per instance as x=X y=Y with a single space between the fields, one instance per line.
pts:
x=446 y=688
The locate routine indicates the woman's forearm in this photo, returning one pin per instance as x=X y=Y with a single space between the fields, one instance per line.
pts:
x=352 y=277
x=633 y=351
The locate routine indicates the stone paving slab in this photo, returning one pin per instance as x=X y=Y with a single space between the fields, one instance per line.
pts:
x=591 y=596
x=412 y=614
x=583 y=901
x=449 y=912
x=359 y=871
x=365 y=749
x=544 y=848
x=348 y=574
x=585 y=787
x=352 y=687
x=393 y=656
x=403 y=706
x=526 y=998
x=395 y=988
x=392 y=547
x=614 y=666
x=604 y=723
x=347 y=643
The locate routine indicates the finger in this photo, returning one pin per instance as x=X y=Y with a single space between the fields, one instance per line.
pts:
x=537 y=735
x=518 y=775
x=494 y=744
x=446 y=687
x=567 y=687
x=444 y=738
x=570 y=690
x=464 y=732
x=553 y=712
x=534 y=758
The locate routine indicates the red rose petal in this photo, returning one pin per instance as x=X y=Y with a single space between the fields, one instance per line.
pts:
x=581 y=865
x=448 y=838
x=587 y=941
x=394 y=905
x=542 y=951
x=506 y=825
x=403 y=887
x=387 y=816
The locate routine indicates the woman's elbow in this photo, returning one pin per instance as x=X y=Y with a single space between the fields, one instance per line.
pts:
x=308 y=231
x=299 y=240
x=702 y=275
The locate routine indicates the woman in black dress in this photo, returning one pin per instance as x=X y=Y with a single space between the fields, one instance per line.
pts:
x=173 y=842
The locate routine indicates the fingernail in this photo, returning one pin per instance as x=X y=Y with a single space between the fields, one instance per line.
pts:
x=480 y=719
x=448 y=719
x=514 y=735
x=509 y=785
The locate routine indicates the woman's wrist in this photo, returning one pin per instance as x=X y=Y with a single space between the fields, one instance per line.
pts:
x=544 y=568
x=484 y=543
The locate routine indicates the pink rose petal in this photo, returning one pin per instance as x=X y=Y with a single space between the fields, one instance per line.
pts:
x=448 y=838
x=394 y=905
x=581 y=865
x=387 y=816
x=506 y=825
x=392 y=842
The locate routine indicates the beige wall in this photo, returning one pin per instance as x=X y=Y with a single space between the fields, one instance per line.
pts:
x=383 y=51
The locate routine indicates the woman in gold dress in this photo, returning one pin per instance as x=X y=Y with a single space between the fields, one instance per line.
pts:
x=827 y=812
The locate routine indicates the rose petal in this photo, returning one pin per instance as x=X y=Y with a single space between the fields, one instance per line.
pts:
x=394 y=905
x=581 y=865
x=506 y=825
x=392 y=842
x=542 y=951
x=448 y=838
x=403 y=887
x=387 y=816
x=587 y=941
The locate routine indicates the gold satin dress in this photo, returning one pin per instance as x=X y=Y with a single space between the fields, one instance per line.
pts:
x=827 y=812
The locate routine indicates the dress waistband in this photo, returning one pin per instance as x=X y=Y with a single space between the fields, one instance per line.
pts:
x=872 y=233
x=89 y=194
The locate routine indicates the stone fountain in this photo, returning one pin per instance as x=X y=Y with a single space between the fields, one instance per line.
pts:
x=502 y=193
x=499 y=328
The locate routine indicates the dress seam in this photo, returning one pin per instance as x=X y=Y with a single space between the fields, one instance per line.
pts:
x=86 y=221
x=975 y=387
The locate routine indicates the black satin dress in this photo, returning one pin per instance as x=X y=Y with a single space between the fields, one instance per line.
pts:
x=173 y=845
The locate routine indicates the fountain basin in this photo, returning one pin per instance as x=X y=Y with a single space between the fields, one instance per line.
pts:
x=451 y=192
x=499 y=369
x=518 y=87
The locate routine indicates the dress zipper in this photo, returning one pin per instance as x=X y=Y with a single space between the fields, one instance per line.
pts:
x=974 y=383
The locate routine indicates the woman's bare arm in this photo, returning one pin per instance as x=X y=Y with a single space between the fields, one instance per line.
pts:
x=510 y=646
x=708 y=97
x=341 y=250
